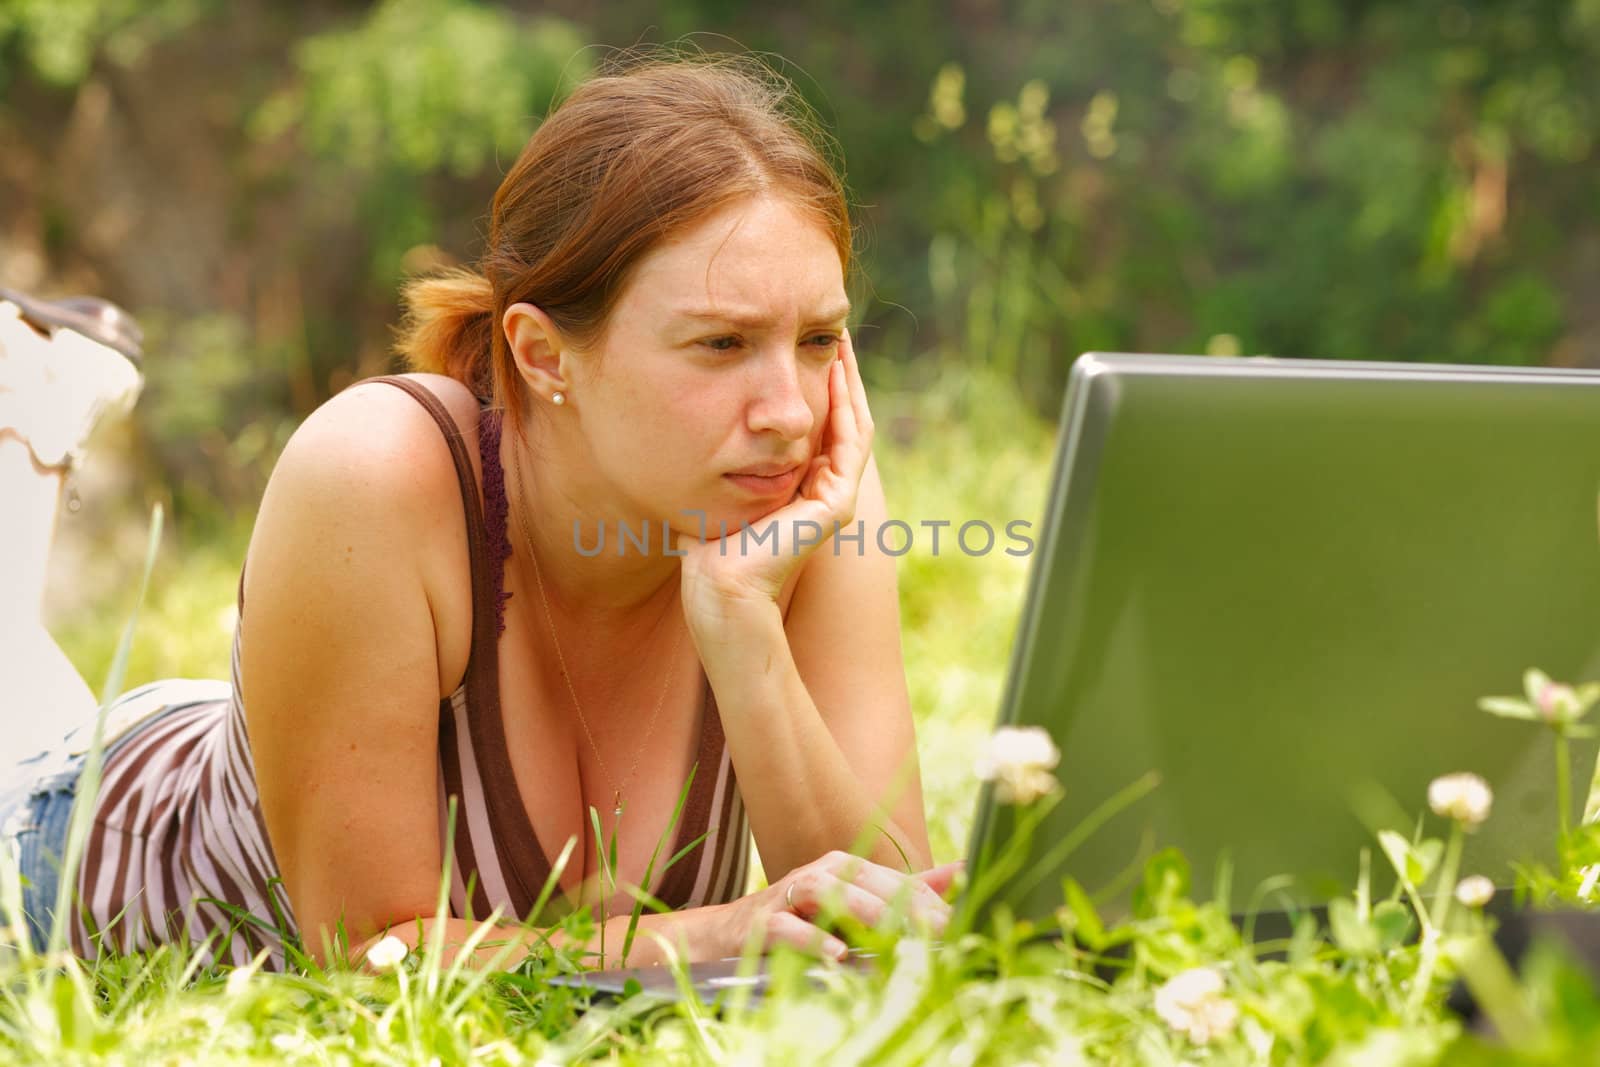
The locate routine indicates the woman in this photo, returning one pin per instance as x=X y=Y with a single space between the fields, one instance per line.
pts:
x=656 y=342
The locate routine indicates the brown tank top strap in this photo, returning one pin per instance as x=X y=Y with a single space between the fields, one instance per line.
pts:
x=477 y=538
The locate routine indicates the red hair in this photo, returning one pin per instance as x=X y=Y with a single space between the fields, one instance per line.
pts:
x=630 y=158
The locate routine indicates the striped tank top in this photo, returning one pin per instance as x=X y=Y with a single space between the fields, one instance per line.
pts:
x=178 y=848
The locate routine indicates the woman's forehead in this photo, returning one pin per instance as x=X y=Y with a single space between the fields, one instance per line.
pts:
x=741 y=260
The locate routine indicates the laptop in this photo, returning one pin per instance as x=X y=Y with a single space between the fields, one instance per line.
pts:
x=1279 y=588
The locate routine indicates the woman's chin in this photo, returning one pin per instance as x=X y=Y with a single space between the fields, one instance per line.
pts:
x=727 y=521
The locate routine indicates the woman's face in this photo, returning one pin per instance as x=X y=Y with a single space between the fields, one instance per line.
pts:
x=712 y=375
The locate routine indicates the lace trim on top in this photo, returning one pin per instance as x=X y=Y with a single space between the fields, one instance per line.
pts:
x=496 y=511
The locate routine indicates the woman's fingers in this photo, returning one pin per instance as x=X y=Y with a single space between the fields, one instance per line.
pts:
x=841 y=405
x=858 y=388
x=785 y=927
x=835 y=477
x=884 y=881
x=808 y=487
x=867 y=891
x=850 y=406
x=840 y=884
x=828 y=896
x=940 y=878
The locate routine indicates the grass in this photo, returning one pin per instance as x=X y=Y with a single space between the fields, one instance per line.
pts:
x=1367 y=988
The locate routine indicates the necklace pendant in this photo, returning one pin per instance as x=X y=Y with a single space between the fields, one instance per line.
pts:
x=617 y=811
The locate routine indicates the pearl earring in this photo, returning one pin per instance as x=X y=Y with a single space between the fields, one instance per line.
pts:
x=558 y=398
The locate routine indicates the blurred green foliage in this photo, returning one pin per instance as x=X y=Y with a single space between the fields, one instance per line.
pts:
x=419 y=88
x=57 y=40
x=1319 y=178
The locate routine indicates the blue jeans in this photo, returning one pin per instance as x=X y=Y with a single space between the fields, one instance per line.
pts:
x=36 y=794
x=35 y=812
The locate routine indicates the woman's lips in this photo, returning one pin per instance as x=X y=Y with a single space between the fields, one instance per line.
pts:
x=768 y=486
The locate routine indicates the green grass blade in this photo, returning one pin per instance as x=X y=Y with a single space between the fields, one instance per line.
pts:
x=89 y=779
x=649 y=869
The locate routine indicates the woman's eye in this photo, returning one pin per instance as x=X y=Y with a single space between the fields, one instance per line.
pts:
x=824 y=340
x=721 y=344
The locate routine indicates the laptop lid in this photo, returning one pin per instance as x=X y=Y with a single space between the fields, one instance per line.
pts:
x=1283 y=587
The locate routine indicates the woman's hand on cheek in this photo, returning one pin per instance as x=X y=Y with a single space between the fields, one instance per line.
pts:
x=749 y=567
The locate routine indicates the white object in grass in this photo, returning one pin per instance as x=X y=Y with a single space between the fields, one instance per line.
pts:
x=1475 y=891
x=1192 y=1003
x=387 y=953
x=1464 y=797
x=54 y=389
x=1019 y=760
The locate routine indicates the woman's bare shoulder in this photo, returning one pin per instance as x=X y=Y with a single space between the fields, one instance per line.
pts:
x=369 y=473
x=375 y=447
x=373 y=424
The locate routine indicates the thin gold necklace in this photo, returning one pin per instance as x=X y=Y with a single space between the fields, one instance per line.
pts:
x=566 y=675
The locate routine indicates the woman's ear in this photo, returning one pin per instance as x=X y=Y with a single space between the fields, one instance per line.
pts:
x=537 y=348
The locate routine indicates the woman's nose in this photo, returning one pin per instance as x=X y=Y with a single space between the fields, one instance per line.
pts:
x=780 y=404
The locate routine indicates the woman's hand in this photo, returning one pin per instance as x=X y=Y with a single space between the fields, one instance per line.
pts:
x=720 y=575
x=793 y=909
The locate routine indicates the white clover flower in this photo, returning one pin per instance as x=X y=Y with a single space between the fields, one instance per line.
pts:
x=387 y=953
x=1557 y=702
x=289 y=1043
x=1019 y=761
x=1475 y=891
x=238 y=982
x=239 y=978
x=1192 y=1003
x=1464 y=797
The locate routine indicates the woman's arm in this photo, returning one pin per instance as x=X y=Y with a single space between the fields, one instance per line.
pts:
x=688 y=934
x=866 y=891
x=821 y=730
x=339 y=665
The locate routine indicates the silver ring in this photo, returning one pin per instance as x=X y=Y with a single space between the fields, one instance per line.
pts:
x=788 y=898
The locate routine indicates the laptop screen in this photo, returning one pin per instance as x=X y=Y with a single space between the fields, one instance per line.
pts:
x=1283 y=586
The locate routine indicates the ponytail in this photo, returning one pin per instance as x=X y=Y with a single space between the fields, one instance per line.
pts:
x=448 y=327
